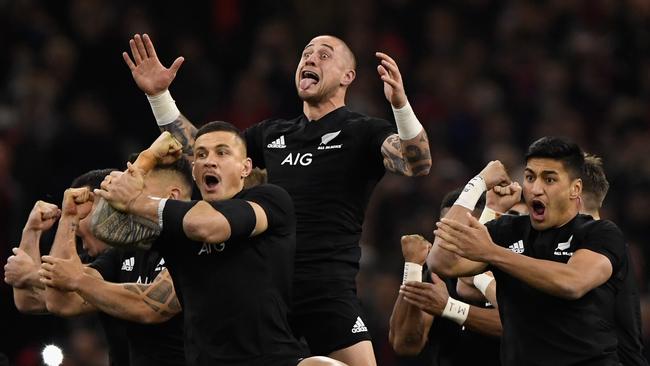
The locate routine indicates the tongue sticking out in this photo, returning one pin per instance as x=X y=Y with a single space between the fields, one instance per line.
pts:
x=306 y=83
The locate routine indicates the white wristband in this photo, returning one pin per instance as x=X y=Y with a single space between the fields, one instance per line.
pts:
x=471 y=193
x=161 y=208
x=456 y=311
x=488 y=214
x=164 y=108
x=412 y=272
x=482 y=281
x=407 y=123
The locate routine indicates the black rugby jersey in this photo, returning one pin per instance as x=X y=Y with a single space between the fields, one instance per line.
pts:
x=329 y=167
x=628 y=318
x=149 y=344
x=540 y=329
x=235 y=294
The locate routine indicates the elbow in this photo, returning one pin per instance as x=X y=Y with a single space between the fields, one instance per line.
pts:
x=570 y=291
x=441 y=268
x=150 y=317
x=30 y=307
x=202 y=232
x=422 y=170
x=58 y=309
x=405 y=346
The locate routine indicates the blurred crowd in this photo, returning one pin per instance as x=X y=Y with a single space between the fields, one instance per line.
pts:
x=485 y=78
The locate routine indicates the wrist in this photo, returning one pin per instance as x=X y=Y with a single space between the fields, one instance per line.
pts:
x=412 y=272
x=164 y=108
x=408 y=125
x=471 y=193
x=456 y=311
x=482 y=281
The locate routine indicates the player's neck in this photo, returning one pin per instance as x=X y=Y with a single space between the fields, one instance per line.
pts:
x=316 y=111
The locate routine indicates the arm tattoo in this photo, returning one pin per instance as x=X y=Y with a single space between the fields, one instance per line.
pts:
x=184 y=131
x=158 y=295
x=410 y=158
x=122 y=230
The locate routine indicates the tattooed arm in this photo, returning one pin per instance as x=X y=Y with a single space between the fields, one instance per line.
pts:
x=184 y=131
x=411 y=156
x=155 y=302
x=407 y=157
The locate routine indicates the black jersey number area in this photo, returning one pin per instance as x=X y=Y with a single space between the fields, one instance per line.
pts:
x=540 y=329
x=329 y=167
x=235 y=293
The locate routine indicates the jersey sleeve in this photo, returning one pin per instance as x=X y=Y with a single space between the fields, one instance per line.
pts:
x=277 y=205
x=376 y=132
x=255 y=144
x=604 y=237
x=107 y=264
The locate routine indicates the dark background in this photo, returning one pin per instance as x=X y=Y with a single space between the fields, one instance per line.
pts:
x=485 y=78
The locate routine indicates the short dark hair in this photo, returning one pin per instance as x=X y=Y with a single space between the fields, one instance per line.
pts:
x=594 y=183
x=182 y=166
x=91 y=179
x=216 y=126
x=559 y=148
x=450 y=198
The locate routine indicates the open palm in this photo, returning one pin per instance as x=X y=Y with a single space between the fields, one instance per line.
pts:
x=149 y=74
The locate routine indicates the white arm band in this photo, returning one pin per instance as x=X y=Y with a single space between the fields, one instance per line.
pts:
x=164 y=108
x=407 y=123
x=471 y=193
x=412 y=272
x=488 y=214
x=482 y=281
x=161 y=208
x=456 y=311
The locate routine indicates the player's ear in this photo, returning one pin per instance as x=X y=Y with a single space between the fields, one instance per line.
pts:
x=247 y=168
x=193 y=177
x=174 y=193
x=576 y=189
x=348 y=77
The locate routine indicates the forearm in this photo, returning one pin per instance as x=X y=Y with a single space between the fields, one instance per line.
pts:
x=64 y=245
x=409 y=327
x=449 y=264
x=113 y=299
x=29 y=243
x=484 y=321
x=410 y=157
x=184 y=131
x=553 y=278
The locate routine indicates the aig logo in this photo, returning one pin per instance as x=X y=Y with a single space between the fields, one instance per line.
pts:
x=299 y=159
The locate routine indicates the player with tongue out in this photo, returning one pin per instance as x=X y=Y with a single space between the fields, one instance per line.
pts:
x=329 y=159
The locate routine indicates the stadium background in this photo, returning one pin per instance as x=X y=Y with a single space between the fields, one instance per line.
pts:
x=485 y=78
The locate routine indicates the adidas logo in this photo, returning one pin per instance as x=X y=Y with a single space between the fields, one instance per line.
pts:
x=277 y=144
x=358 y=326
x=517 y=247
x=127 y=265
x=160 y=265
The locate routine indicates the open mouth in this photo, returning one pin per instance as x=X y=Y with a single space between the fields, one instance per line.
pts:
x=307 y=79
x=538 y=210
x=211 y=181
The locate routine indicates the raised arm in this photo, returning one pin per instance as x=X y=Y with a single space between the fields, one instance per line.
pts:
x=77 y=204
x=446 y=262
x=155 y=302
x=409 y=325
x=406 y=152
x=21 y=270
x=154 y=80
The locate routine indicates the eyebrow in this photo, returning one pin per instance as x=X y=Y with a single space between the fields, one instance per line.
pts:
x=544 y=172
x=324 y=44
